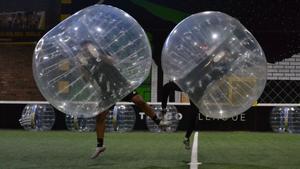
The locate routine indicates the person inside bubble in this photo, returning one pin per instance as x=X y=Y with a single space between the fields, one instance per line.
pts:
x=209 y=70
x=101 y=117
x=98 y=68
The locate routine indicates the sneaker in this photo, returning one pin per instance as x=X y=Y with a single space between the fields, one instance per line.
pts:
x=186 y=142
x=98 y=151
x=164 y=123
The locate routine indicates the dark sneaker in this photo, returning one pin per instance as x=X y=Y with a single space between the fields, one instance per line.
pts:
x=186 y=142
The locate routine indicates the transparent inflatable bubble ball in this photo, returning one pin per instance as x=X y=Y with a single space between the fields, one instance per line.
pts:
x=37 y=117
x=81 y=124
x=172 y=116
x=121 y=119
x=285 y=119
x=214 y=59
x=91 y=60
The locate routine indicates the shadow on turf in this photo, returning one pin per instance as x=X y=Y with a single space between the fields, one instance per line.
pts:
x=231 y=166
x=158 y=167
x=173 y=167
x=100 y=165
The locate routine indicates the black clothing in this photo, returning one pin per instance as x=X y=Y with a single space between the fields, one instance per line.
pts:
x=206 y=72
x=103 y=75
x=167 y=90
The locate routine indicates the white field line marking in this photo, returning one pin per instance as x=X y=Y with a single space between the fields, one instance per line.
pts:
x=194 y=156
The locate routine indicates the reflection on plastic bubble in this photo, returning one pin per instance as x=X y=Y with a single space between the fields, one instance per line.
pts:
x=37 y=117
x=80 y=124
x=217 y=62
x=122 y=119
x=285 y=119
x=171 y=115
x=91 y=60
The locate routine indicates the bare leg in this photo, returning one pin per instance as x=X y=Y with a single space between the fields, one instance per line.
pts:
x=100 y=127
x=141 y=104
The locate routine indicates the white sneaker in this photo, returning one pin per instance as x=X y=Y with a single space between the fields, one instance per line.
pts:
x=98 y=151
x=164 y=123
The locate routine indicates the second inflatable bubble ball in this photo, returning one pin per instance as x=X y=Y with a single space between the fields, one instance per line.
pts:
x=214 y=59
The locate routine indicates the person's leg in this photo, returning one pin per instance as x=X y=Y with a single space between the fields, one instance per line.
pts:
x=189 y=130
x=166 y=92
x=191 y=125
x=100 y=130
x=142 y=105
x=100 y=127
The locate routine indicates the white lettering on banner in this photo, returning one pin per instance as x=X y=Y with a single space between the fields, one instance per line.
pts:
x=178 y=116
x=142 y=114
x=241 y=117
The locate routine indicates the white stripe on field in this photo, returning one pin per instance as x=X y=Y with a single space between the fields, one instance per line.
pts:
x=194 y=156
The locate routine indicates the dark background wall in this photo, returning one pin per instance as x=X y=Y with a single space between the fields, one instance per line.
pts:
x=16 y=80
x=275 y=24
x=255 y=119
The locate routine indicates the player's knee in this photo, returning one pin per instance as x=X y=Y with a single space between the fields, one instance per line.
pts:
x=139 y=101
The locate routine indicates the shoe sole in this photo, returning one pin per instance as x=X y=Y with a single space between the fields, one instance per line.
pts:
x=99 y=152
x=186 y=146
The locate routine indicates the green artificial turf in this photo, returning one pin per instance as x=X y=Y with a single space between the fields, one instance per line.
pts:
x=144 y=150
